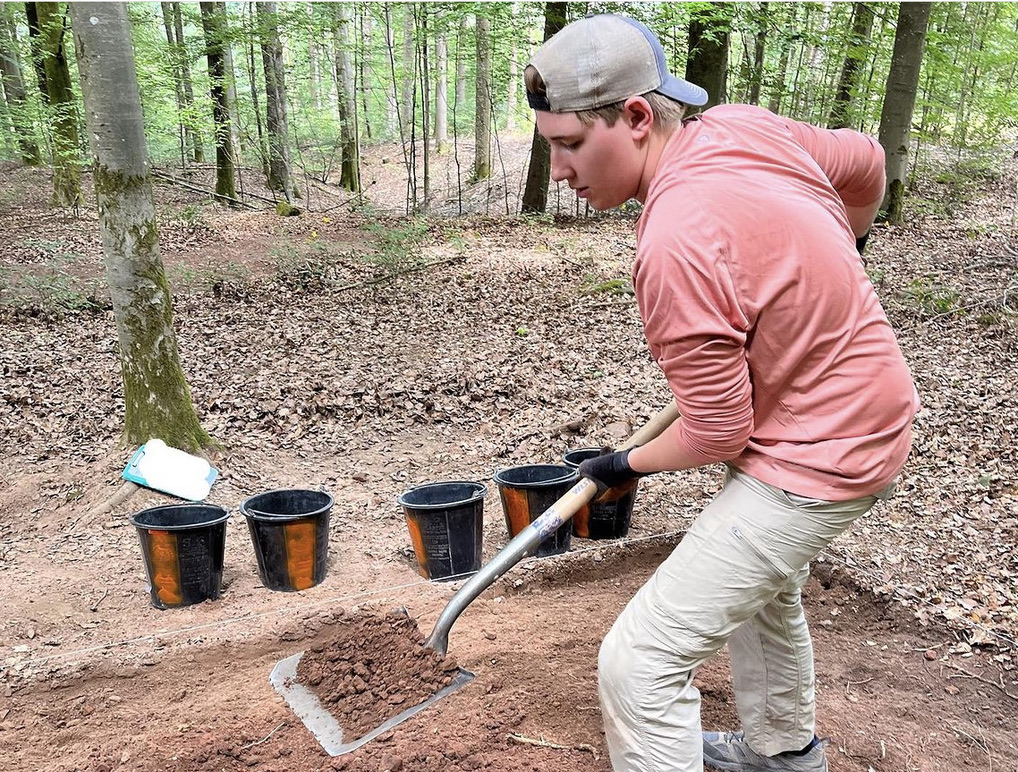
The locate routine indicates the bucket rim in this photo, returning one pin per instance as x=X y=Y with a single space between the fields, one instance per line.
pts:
x=596 y=448
x=568 y=473
x=480 y=491
x=221 y=517
x=256 y=514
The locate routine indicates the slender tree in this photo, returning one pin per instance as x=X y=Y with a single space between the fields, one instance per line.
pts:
x=157 y=399
x=53 y=39
x=213 y=18
x=857 y=53
x=350 y=174
x=482 y=100
x=707 y=62
x=441 y=92
x=14 y=91
x=178 y=81
x=899 y=101
x=197 y=148
x=275 y=102
x=535 y=193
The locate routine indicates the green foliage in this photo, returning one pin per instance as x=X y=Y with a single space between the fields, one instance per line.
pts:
x=593 y=286
x=930 y=297
x=309 y=267
x=229 y=280
x=396 y=243
x=50 y=287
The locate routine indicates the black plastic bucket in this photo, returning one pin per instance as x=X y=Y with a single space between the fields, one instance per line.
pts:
x=527 y=491
x=603 y=519
x=290 y=532
x=183 y=547
x=446 y=524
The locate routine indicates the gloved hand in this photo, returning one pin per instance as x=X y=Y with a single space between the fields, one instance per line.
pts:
x=860 y=242
x=609 y=471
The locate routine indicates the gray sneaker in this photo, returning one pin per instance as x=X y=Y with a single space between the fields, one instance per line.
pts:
x=730 y=752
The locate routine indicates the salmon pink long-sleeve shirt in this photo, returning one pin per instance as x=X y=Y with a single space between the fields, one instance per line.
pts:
x=757 y=308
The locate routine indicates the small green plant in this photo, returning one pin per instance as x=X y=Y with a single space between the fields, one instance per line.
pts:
x=930 y=297
x=396 y=243
x=310 y=267
x=591 y=286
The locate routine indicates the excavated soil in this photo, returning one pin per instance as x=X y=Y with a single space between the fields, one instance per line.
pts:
x=371 y=669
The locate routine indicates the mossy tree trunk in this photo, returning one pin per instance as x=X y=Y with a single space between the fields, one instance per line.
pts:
x=482 y=100
x=213 y=19
x=350 y=172
x=895 y=131
x=710 y=27
x=156 y=394
x=14 y=91
x=62 y=106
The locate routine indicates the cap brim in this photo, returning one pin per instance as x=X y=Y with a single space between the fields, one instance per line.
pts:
x=683 y=91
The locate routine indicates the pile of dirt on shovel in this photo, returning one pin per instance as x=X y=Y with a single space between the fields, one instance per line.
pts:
x=373 y=668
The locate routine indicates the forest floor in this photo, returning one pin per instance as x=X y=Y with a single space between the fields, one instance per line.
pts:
x=503 y=342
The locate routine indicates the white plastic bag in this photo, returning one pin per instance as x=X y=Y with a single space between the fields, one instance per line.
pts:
x=160 y=467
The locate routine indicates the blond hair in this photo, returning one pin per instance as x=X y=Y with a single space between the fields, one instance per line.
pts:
x=667 y=112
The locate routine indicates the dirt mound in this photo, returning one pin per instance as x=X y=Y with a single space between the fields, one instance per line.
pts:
x=373 y=668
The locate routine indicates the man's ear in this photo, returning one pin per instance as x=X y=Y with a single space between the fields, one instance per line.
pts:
x=639 y=116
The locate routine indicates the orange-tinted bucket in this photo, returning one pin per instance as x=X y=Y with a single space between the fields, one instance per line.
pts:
x=527 y=491
x=602 y=519
x=290 y=532
x=446 y=524
x=183 y=547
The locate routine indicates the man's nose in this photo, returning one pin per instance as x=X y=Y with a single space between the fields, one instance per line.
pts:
x=559 y=171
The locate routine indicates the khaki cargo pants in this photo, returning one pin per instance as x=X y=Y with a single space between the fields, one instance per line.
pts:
x=735 y=578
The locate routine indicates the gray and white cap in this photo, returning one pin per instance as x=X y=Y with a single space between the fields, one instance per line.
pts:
x=602 y=59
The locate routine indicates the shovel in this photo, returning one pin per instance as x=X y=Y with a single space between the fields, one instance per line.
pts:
x=321 y=723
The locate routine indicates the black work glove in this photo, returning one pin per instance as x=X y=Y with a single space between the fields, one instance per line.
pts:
x=860 y=242
x=610 y=472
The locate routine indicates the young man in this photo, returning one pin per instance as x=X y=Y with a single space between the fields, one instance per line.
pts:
x=783 y=365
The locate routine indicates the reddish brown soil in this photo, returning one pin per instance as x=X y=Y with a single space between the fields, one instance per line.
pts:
x=371 y=669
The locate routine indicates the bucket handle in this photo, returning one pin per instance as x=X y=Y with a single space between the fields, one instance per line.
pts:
x=527 y=540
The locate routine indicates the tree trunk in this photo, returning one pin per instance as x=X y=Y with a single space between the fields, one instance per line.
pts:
x=707 y=63
x=35 y=41
x=778 y=94
x=535 y=193
x=857 y=53
x=213 y=19
x=364 y=69
x=441 y=93
x=350 y=175
x=392 y=122
x=14 y=92
x=197 y=147
x=899 y=101
x=157 y=399
x=406 y=101
x=63 y=106
x=482 y=101
x=514 y=90
x=759 y=48
x=178 y=81
x=252 y=70
x=275 y=101
x=313 y=90
x=461 y=62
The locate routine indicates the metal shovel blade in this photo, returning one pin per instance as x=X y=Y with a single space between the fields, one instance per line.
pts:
x=321 y=723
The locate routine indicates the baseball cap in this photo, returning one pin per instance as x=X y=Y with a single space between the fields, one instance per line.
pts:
x=602 y=59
